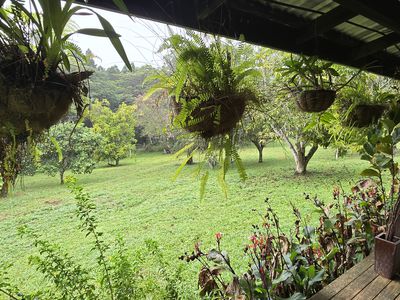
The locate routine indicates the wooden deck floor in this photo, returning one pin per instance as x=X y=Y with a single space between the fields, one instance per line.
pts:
x=361 y=283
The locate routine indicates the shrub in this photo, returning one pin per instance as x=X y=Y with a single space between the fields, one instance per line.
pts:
x=298 y=264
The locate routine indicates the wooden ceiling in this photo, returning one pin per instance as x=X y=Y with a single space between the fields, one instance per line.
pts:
x=358 y=33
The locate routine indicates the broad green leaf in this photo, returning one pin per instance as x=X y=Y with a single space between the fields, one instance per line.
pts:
x=396 y=135
x=369 y=148
x=282 y=277
x=389 y=124
x=381 y=160
x=317 y=278
x=370 y=173
x=331 y=253
x=98 y=32
x=115 y=41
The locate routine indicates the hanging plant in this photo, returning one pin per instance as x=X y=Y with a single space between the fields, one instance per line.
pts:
x=209 y=85
x=37 y=86
x=312 y=81
x=364 y=103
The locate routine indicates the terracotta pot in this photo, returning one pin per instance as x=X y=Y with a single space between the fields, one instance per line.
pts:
x=316 y=100
x=364 y=115
x=387 y=256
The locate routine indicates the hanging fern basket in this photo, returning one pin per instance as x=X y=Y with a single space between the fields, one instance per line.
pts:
x=364 y=115
x=31 y=100
x=212 y=117
x=315 y=100
x=34 y=108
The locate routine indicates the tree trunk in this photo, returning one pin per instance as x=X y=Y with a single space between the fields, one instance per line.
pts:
x=260 y=149
x=298 y=150
x=117 y=162
x=4 y=187
x=302 y=159
x=301 y=164
x=62 y=176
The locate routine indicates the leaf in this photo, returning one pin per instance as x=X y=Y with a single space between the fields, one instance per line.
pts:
x=370 y=173
x=218 y=257
x=366 y=157
x=282 y=277
x=115 y=41
x=58 y=148
x=317 y=278
x=382 y=160
x=183 y=164
x=121 y=6
x=389 y=124
x=331 y=253
x=396 y=135
x=369 y=148
x=98 y=32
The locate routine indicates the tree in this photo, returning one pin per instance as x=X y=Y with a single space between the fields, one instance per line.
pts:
x=117 y=130
x=284 y=118
x=67 y=147
x=154 y=117
x=258 y=131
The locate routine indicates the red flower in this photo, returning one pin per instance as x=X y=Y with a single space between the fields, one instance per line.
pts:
x=218 y=236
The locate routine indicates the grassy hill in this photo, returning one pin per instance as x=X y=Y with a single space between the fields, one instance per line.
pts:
x=139 y=201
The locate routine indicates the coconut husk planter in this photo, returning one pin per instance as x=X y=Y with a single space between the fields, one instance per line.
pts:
x=33 y=98
x=36 y=107
x=315 y=100
x=215 y=116
x=364 y=115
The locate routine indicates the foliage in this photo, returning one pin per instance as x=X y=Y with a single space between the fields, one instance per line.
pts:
x=211 y=82
x=367 y=88
x=299 y=264
x=379 y=150
x=116 y=85
x=42 y=35
x=308 y=73
x=16 y=158
x=154 y=119
x=286 y=121
x=115 y=275
x=48 y=208
x=68 y=147
x=116 y=128
x=258 y=131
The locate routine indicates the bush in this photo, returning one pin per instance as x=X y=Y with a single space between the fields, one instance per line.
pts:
x=298 y=264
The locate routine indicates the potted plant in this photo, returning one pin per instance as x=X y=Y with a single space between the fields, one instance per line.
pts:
x=209 y=86
x=37 y=86
x=312 y=80
x=379 y=151
x=365 y=101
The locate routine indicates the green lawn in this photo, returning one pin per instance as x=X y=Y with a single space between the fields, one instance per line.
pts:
x=139 y=201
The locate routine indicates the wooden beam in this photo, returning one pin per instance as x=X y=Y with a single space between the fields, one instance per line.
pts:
x=271 y=27
x=324 y=23
x=375 y=46
x=209 y=9
x=267 y=12
x=383 y=12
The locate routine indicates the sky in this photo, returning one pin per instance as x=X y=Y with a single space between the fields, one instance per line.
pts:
x=141 y=39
